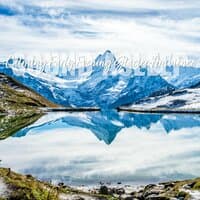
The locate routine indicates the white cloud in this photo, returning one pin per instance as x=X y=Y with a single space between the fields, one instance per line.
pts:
x=135 y=155
x=82 y=27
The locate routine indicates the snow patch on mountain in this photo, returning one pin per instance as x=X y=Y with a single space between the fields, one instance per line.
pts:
x=186 y=77
x=106 y=84
x=185 y=99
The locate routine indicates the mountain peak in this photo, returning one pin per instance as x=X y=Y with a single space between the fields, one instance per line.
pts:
x=107 y=58
x=107 y=52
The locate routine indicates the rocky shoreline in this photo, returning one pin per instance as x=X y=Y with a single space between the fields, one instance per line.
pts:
x=14 y=186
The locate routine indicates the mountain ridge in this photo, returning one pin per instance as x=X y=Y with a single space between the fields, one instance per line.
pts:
x=106 y=86
x=17 y=98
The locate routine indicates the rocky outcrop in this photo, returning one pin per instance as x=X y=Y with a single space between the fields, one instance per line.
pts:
x=17 y=186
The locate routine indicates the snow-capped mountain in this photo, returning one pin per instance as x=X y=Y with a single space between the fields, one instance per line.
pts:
x=109 y=64
x=183 y=99
x=186 y=77
x=186 y=97
x=107 y=59
x=106 y=85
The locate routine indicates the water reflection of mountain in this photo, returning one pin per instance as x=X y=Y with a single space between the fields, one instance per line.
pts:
x=176 y=122
x=106 y=124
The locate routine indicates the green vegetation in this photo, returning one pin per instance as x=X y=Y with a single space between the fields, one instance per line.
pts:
x=23 y=187
x=10 y=124
x=19 y=106
x=196 y=185
x=26 y=187
x=17 y=99
x=179 y=188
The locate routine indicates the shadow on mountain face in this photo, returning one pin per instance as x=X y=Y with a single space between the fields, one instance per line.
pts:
x=104 y=86
x=107 y=124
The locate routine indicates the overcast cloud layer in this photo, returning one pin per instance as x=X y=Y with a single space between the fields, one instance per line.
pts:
x=83 y=26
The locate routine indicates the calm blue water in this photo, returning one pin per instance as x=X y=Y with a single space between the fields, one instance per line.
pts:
x=85 y=148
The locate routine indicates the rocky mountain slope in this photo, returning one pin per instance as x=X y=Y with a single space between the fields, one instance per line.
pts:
x=19 y=106
x=179 y=100
x=18 y=99
x=105 y=84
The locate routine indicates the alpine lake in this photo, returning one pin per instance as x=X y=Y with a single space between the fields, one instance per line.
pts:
x=86 y=148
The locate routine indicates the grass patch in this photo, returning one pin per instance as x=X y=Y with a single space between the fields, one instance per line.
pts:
x=26 y=187
x=196 y=185
x=11 y=124
x=15 y=98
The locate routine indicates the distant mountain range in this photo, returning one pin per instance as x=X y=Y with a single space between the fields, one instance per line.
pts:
x=105 y=84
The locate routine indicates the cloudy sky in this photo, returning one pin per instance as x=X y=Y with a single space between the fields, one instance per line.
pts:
x=83 y=26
